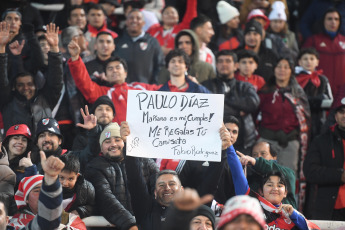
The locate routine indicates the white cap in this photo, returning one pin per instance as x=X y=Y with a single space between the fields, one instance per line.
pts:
x=226 y=12
x=278 y=11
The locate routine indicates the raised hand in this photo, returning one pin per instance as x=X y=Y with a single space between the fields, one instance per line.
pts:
x=189 y=199
x=26 y=161
x=225 y=137
x=4 y=36
x=51 y=167
x=16 y=48
x=245 y=160
x=52 y=36
x=90 y=120
x=74 y=49
x=124 y=130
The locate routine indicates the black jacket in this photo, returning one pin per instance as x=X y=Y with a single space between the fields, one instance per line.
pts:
x=323 y=167
x=238 y=96
x=84 y=199
x=16 y=109
x=112 y=197
x=144 y=57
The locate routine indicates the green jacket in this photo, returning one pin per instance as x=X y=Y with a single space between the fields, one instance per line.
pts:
x=263 y=167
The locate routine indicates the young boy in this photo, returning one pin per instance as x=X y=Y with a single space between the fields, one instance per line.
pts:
x=78 y=193
x=247 y=64
x=315 y=85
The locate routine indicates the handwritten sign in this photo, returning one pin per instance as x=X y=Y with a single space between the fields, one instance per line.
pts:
x=174 y=125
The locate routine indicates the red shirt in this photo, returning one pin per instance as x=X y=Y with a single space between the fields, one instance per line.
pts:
x=257 y=81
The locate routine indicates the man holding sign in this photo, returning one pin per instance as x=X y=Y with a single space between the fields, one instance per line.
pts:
x=151 y=213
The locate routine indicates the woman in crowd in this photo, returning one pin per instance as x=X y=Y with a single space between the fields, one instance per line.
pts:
x=285 y=114
x=17 y=144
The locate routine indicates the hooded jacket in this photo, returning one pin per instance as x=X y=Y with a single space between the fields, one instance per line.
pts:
x=7 y=178
x=199 y=69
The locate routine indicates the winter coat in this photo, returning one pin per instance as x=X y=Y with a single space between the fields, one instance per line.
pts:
x=7 y=178
x=323 y=169
x=83 y=199
x=16 y=109
x=112 y=197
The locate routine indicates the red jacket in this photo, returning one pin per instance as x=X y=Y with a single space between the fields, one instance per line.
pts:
x=93 y=31
x=257 y=81
x=169 y=39
x=92 y=91
x=332 y=57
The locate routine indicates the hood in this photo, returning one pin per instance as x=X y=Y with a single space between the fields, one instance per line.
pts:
x=195 y=54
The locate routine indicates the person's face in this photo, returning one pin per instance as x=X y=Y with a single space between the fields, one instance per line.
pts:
x=177 y=67
x=68 y=179
x=135 y=23
x=104 y=114
x=340 y=118
x=48 y=141
x=77 y=18
x=262 y=149
x=205 y=32
x=185 y=43
x=233 y=130
x=14 y=21
x=112 y=147
x=170 y=16
x=247 y=66
x=277 y=26
x=17 y=145
x=282 y=71
x=226 y=65
x=242 y=222
x=109 y=8
x=332 y=22
x=104 y=45
x=233 y=23
x=25 y=86
x=115 y=73
x=96 y=18
x=44 y=46
x=167 y=186
x=3 y=217
x=32 y=198
x=201 y=223
x=274 y=190
x=252 y=39
x=309 y=62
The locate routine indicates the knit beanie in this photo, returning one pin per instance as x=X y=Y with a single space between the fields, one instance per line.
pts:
x=102 y=100
x=253 y=26
x=278 y=11
x=206 y=211
x=24 y=188
x=257 y=13
x=226 y=12
x=50 y=125
x=239 y=205
x=111 y=130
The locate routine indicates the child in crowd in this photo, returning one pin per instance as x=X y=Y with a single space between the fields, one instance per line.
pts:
x=315 y=85
x=78 y=193
x=279 y=27
x=247 y=64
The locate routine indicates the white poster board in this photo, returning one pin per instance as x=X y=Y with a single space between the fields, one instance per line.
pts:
x=174 y=125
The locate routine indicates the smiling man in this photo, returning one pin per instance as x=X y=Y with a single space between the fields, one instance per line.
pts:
x=141 y=51
x=107 y=174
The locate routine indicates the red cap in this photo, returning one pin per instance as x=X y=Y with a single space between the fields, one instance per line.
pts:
x=20 y=129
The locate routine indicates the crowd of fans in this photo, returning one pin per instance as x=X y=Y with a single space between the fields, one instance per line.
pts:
x=65 y=71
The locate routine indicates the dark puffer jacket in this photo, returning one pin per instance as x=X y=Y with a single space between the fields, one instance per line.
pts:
x=112 y=197
x=84 y=199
